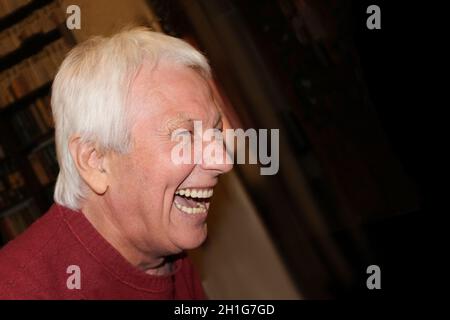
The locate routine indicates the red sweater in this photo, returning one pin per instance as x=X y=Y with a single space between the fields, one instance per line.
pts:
x=36 y=265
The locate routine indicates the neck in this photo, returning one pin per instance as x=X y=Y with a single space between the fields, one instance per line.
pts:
x=100 y=216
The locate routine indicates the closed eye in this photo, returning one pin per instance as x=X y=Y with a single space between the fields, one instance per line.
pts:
x=183 y=135
x=182 y=131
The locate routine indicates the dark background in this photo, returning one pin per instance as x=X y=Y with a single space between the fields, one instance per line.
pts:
x=395 y=60
x=393 y=95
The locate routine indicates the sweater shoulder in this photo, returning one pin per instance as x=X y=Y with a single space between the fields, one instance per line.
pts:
x=24 y=259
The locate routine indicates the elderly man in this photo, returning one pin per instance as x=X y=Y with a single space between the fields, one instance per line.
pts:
x=124 y=211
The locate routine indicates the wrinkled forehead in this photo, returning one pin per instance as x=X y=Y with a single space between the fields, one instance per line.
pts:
x=170 y=90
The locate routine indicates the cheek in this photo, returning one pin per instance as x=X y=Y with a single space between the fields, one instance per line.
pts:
x=150 y=176
x=158 y=169
x=124 y=191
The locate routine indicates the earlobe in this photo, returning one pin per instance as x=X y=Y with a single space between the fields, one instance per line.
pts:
x=89 y=162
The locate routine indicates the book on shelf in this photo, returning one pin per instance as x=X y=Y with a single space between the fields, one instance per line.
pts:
x=44 y=106
x=40 y=21
x=6 y=97
x=9 y=6
x=15 y=220
x=31 y=51
x=32 y=73
x=44 y=163
x=33 y=121
x=12 y=183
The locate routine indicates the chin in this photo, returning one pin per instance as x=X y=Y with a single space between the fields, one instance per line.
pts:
x=192 y=240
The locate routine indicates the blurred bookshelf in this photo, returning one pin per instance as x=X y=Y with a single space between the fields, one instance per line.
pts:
x=33 y=43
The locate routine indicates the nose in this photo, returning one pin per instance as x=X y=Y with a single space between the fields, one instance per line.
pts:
x=215 y=156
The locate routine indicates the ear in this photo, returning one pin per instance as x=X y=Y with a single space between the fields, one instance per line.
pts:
x=91 y=164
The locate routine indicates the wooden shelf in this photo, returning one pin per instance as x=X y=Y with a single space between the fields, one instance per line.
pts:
x=15 y=206
x=29 y=47
x=26 y=99
x=21 y=13
x=27 y=149
x=16 y=153
x=45 y=137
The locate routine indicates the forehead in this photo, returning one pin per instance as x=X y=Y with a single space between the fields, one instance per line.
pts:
x=168 y=90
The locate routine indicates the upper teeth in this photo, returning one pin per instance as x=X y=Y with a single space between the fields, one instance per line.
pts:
x=195 y=193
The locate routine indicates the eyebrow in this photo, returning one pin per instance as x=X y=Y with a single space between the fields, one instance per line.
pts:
x=181 y=119
x=178 y=120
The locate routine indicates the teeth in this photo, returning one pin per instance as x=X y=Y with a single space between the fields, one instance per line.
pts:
x=195 y=193
x=189 y=210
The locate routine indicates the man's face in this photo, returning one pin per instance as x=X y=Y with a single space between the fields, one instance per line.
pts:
x=146 y=183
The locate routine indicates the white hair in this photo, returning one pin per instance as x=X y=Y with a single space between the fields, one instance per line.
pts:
x=89 y=96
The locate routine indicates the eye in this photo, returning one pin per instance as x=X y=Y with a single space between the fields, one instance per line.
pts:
x=185 y=131
x=181 y=132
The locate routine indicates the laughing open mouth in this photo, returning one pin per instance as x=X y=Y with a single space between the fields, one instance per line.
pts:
x=193 y=201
